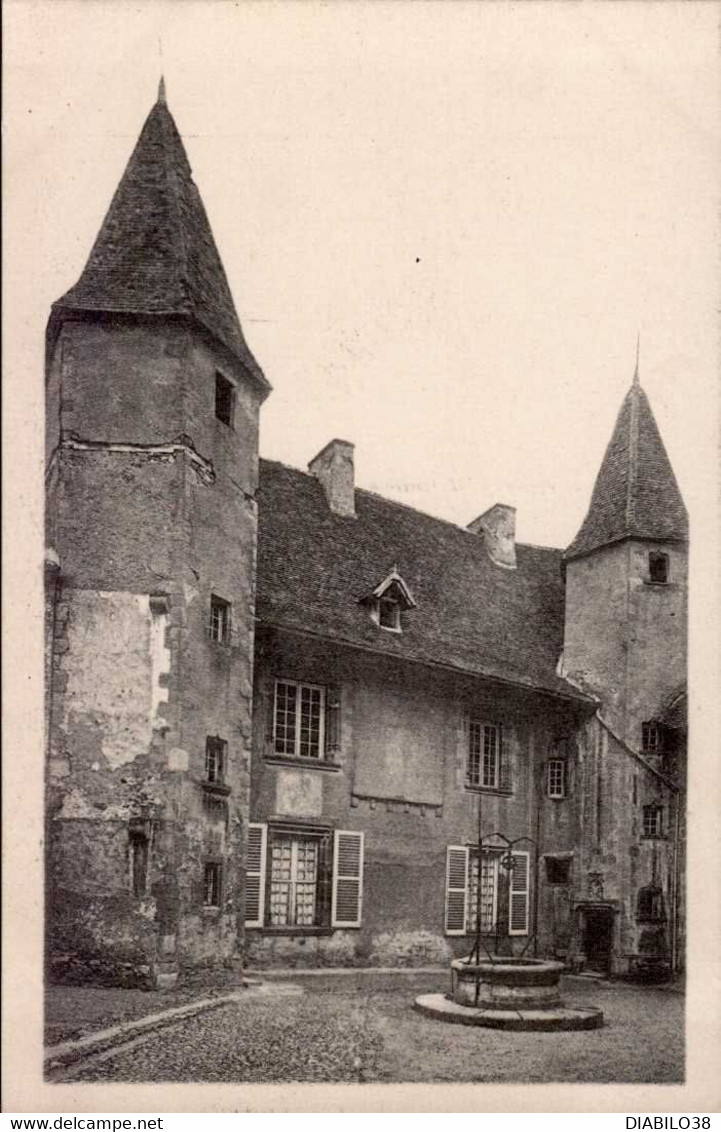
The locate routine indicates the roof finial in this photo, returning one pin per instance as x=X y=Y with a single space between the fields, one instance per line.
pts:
x=636 y=380
x=161 y=91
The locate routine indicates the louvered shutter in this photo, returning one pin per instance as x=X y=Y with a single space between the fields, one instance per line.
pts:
x=518 y=903
x=347 y=879
x=456 y=889
x=255 y=875
x=505 y=777
x=332 y=722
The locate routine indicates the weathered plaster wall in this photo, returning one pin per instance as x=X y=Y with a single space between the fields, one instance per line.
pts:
x=154 y=510
x=386 y=710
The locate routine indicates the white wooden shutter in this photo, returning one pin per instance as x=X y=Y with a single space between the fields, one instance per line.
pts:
x=456 y=889
x=347 y=879
x=518 y=901
x=255 y=875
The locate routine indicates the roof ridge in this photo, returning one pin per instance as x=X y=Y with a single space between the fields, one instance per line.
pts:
x=181 y=262
x=407 y=507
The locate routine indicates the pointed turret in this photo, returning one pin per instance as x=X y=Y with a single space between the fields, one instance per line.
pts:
x=636 y=494
x=155 y=252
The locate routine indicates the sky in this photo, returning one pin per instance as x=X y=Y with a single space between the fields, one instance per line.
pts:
x=444 y=225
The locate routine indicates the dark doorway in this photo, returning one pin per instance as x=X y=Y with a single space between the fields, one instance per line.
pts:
x=598 y=938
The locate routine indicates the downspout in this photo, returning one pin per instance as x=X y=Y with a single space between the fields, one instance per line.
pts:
x=674 y=903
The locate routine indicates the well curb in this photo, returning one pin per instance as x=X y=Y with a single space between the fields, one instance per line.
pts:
x=552 y=1020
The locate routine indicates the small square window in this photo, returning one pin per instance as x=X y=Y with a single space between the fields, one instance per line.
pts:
x=558 y=870
x=389 y=614
x=653 y=821
x=224 y=399
x=212 y=881
x=657 y=568
x=219 y=619
x=556 y=778
x=215 y=751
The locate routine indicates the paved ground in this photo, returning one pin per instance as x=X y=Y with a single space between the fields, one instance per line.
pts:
x=72 y=1012
x=361 y=1032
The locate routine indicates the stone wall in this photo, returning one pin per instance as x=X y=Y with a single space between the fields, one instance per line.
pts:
x=151 y=509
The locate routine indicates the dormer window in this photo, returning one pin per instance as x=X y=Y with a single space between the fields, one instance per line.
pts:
x=657 y=568
x=388 y=601
x=389 y=614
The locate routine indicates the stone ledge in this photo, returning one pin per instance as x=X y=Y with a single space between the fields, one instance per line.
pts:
x=559 y=1018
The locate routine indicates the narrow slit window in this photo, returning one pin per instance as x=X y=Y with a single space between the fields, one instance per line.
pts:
x=556 y=778
x=219 y=619
x=212 y=882
x=139 y=865
x=224 y=400
x=215 y=758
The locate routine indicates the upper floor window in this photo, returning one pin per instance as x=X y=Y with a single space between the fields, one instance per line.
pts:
x=658 y=567
x=651 y=738
x=484 y=755
x=215 y=758
x=556 y=778
x=224 y=399
x=653 y=821
x=219 y=619
x=299 y=720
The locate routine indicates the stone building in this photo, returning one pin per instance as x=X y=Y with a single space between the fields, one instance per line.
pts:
x=292 y=722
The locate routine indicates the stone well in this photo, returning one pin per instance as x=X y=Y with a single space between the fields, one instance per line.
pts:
x=508 y=993
x=507 y=982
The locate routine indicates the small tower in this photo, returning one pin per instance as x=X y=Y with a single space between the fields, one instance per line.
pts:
x=625 y=643
x=153 y=399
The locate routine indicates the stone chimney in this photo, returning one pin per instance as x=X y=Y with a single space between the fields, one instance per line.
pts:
x=498 y=525
x=333 y=467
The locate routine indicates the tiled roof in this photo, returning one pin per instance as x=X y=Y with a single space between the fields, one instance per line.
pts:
x=314 y=567
x=155 y=251
x=636 y=493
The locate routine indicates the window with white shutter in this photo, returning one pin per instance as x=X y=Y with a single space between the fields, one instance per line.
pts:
x=518 y=896
x=255 y=876
x=456 y=889
x=347 y=879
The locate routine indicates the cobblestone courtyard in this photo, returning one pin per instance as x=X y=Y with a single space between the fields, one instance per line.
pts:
x=357 y=1029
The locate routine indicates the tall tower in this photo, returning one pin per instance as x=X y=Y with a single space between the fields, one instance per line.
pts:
x=625 y=643
x=153 y=401
x=626 y=577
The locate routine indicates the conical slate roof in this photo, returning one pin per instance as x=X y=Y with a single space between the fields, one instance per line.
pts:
x=155 y=252
x=635 y=494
